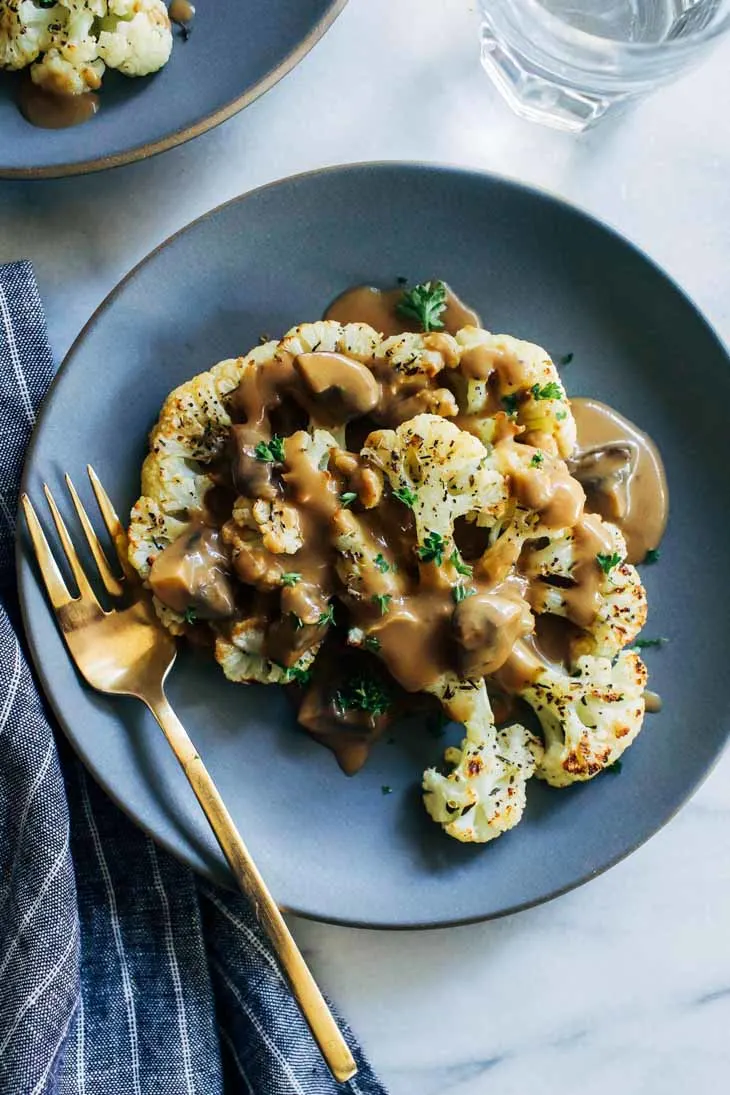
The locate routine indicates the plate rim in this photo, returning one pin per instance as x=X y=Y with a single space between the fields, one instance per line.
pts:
x=203 y=125
x=22 y=575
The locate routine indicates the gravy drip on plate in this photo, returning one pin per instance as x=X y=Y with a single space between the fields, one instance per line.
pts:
x=622 y=474
x=478 y=612
x=48 y=111
x=182 y=14
x=379 y=309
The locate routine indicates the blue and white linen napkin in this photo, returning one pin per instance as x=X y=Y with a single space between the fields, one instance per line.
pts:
x=121 y=973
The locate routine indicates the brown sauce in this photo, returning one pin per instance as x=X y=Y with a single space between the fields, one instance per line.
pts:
x=622 y=474
x=182 y=12
x=652 y=702
x=191 y=575
x=378 y=308
x=424 y=619
x=48 y=111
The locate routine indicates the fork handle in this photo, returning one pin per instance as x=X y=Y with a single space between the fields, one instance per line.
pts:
x=305 y=989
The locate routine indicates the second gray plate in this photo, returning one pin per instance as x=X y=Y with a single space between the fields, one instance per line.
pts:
x=337 y=848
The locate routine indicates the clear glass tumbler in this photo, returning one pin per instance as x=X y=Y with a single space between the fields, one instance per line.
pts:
x=567 y=62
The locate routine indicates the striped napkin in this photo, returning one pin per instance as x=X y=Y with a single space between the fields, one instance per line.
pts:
x=121 y=973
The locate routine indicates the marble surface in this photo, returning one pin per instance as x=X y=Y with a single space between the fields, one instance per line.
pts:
x=623 y=985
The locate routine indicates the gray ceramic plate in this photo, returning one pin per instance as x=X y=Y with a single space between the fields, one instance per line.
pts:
x=337 y=848
x=238 y=49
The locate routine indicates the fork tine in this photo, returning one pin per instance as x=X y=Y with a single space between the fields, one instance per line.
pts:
x=58 y=595
x=86 y=592
x=113 y=524
x=111 y=584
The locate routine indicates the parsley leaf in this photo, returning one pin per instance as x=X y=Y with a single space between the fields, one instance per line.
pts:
x=643 y=644
x=560 y=415
x=424 y=303
x=362 y=694
x=327 y=617
x=348 y=497
x=291 y=578
x=372 y=642
x=509 y=402
x=432 y=549
x=381 y=563
x=537 y=460
x=652 y=556
x=608 y=562
x=405 y=495
x=270 y=452
x=298 y=675
x=459 y=565
x=548 y=391
x=382 y=600
x=190 y=615
x=461 y=592
x=298 y=622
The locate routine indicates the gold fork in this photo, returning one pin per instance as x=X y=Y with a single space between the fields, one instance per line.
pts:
x=126 y=651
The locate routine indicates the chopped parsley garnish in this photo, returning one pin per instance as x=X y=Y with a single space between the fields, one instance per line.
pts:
x=298 y=622
x=644 y=644
x=190 y=615
x=270 y=452
x=608 y=562
x=405 y=495
x=565 y=359
x=372 y=642
x=509 y=402
x=615 y=768
x=537 y=460
x=461 y=592
x=298 y=675
x=291 y=578
x=652 y=556
x=348 y=497
x=432 y=549
x=425 y=303
x=327 y=617
x=385 y=789
x=552 y=390
x=560 y=415
x=382 y=600
x=459 y=565
x=362 y=694
x=382 y=563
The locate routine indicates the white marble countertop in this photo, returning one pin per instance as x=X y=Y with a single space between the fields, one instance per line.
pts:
x=623 y=985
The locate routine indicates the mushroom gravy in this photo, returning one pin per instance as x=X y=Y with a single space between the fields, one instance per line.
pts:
x=482 y=610
x=48 y=111
x=622 y=474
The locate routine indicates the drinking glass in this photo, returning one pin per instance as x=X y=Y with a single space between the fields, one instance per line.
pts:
x=567 y=62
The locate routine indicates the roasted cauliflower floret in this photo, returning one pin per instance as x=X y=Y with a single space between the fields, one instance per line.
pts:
x=620 y=597
x=440 y=471
x=242 y=661
x=136 y=37
x=150 y=532
x=484 y=794
x=407 y=364
x=355 y=340
x=589 y=718
x=525 y=381
x=190 y=432
x=71 y=64
x=25 y=31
